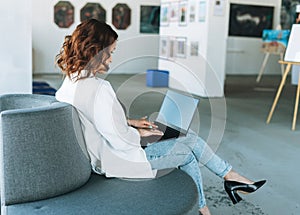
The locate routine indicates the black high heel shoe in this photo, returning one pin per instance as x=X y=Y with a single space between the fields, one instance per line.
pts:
x=232 y=187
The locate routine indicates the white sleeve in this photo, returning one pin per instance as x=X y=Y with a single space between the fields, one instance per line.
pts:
x=110 y=120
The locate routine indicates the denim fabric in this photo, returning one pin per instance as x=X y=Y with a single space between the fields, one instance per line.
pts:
x=188 y=154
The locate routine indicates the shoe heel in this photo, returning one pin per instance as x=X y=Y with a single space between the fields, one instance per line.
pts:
x=234 y=196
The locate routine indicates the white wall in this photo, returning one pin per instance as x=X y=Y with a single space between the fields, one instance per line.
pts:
x=48 y=37
x=243 y=53
x=15 y=43
x=204 y=74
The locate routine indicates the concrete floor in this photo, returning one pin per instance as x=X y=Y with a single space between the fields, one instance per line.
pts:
x=240 y=136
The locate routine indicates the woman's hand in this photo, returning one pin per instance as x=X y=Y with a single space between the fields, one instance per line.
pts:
x=150 y=132
x=145 y=127
x=141 y=123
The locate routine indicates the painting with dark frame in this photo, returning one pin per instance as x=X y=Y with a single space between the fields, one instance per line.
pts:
x=93 y=11
x=250 y=20
x=64 y=14
x=121 y=16
x=149 y=19
x=288 y=13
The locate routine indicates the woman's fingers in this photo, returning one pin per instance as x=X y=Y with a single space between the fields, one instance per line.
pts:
x=150 y=132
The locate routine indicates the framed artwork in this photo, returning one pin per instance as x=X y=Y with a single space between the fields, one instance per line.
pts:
x=275 y=41
x=180 y=47
x=172 y=48
x=164 y=14
x=202 y=11
x=121 y=16
x=183 y=13
x=288 y=13
x=192 y=11
x=164 y=47
x=63 y=14
x=194 y=48
x=92 y=10
x=174 y=9
x=219 y=7
x=149 y=19
x=250 y=20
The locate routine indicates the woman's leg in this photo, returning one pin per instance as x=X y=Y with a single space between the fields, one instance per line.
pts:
x=205 y=155
x=170 y=154
x=213 y=162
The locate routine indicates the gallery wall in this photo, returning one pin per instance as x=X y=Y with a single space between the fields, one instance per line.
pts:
x=15 y=43
x=196 y=46
x=135 y=53
x=244 y=56
x=222 y=48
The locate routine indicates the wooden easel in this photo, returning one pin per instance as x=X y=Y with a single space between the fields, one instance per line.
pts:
x=287 y=70
x=263 y=66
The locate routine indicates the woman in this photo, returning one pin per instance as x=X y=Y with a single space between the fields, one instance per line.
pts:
x=113 y=142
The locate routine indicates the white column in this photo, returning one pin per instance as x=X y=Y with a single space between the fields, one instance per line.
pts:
x=15 y=47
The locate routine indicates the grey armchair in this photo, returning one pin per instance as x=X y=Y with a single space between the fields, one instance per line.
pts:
x=45 y=168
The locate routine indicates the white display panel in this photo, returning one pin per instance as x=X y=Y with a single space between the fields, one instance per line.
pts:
x=292 y=53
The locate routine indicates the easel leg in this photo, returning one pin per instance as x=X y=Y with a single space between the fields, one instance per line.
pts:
x=262 y=68
x=296 y=105
x=288 y=67
x=282 y=65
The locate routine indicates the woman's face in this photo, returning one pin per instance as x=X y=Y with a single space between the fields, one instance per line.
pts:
x=111 y=50
x=298 y=19
x=108 y=59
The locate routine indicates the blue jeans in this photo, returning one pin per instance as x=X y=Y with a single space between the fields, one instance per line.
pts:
x=187 y=153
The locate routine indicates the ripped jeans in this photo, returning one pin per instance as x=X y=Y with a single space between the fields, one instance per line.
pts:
x=187 y=153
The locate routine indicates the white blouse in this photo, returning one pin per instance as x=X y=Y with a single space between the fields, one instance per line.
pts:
x=113 y=146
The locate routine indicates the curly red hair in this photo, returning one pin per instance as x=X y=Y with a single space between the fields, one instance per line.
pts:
x=86 y=49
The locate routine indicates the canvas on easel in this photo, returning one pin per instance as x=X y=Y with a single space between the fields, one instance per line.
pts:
x=292 y=53
x=273 y=42
x=291 y=58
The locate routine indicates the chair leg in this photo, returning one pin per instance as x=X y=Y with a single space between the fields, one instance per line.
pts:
x=279 y=92
x=296 y=105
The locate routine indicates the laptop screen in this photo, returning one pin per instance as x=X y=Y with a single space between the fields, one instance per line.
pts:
x=177 y=110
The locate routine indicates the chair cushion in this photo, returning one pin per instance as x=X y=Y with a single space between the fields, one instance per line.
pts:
x=174 y=193
x=40 y=155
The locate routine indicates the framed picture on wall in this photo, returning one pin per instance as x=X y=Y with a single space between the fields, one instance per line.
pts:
x=93 y=10
x=202 y=11
x=149 y=19
x=194 y=48
x=164 y=14
x=172 y=46
x=250 y=20
x=219 y=7
x=64 y=14
x=183 y=13
x=288 y=13
x=181 y=47
x=121 y=16
x=174 y=9
x=192 y=11
x=164 y=47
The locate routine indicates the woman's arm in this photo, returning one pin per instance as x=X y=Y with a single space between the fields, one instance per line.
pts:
x=111 y=122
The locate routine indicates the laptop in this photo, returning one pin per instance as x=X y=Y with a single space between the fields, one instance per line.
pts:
x=174 y=117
